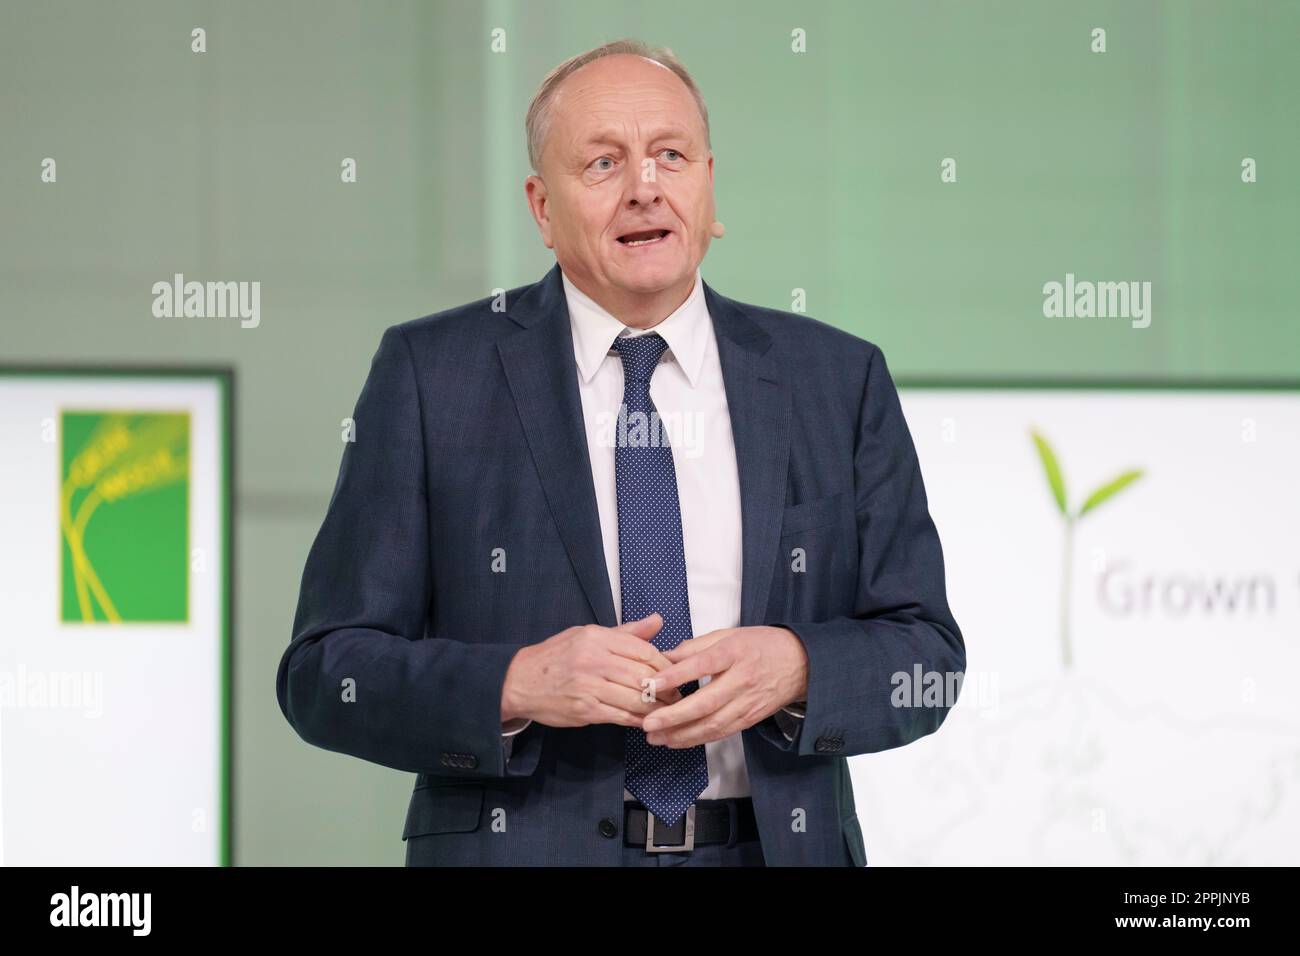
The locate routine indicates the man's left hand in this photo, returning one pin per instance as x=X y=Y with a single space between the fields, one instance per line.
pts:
x=753 y=671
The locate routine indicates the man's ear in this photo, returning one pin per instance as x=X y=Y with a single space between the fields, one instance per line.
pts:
x=535 y=193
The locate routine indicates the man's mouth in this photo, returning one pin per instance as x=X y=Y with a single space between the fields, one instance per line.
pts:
x=645 y=237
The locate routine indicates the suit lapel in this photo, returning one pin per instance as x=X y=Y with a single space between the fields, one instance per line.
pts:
x=758 y=398
x=541 y=372
x=543 y=379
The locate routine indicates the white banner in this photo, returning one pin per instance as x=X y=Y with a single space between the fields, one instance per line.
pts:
x=1128 y=698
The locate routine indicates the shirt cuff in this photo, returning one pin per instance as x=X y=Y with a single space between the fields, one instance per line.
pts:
x=512 y=727
x=788 y=719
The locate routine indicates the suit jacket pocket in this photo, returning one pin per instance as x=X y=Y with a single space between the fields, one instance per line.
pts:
x=817 y=564
x=817 y=513
x=443 y=809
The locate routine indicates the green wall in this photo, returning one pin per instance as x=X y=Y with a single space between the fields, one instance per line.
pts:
x=225 y=166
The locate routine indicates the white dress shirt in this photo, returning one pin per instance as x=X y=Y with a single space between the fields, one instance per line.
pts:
x=689 y=394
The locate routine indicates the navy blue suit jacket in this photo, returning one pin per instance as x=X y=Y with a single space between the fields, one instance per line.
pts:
x=469 y=438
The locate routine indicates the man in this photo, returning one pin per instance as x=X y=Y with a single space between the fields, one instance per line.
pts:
x=625 y=569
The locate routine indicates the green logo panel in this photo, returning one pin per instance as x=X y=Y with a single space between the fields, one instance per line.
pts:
x=124 y=508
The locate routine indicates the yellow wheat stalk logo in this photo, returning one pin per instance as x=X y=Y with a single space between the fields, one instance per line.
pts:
x=124 y=456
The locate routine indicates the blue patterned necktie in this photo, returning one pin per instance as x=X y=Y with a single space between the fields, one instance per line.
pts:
x=652 y=571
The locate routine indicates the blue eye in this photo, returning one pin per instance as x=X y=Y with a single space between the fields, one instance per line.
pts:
x=602 y=158
x=673 y=151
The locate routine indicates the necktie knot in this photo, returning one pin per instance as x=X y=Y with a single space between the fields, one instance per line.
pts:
x=640 y=355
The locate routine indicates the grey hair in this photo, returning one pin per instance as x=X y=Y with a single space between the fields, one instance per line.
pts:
x=538 y=122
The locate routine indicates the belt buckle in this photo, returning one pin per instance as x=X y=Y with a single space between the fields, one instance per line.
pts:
x=687 y=822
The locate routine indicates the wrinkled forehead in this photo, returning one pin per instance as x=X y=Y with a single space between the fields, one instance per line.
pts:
x=612 y=103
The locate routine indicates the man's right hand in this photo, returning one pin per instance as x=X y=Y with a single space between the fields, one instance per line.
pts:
x=587 y=675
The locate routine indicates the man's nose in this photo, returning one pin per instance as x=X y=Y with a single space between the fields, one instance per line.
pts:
x=643 y=191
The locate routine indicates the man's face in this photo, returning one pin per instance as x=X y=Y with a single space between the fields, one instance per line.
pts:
x=625 y=159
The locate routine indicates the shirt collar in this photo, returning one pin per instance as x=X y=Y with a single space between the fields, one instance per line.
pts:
x=594 y=330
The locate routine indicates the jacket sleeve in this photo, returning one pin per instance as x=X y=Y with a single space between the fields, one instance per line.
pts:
x=360 y=676
x=858 y=666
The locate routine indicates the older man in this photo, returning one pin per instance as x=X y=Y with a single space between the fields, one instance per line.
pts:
x=623 y=569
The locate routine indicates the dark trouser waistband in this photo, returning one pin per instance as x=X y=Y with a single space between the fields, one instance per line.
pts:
x=707 y=821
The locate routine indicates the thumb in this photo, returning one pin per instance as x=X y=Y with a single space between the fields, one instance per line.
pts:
x=646 y=628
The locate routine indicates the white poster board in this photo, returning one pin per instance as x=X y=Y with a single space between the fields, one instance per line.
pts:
x=1172 y=735
x=114 y=617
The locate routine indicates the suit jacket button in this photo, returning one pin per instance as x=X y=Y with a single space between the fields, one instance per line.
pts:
x=471 y=761
x=608 y=828
x=828 y=744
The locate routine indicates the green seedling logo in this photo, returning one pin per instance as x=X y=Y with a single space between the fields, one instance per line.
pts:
x=1056 y=481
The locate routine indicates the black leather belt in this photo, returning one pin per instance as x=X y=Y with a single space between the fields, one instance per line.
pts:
x=705 y=821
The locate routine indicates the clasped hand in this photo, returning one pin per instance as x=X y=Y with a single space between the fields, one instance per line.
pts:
x=594 y=675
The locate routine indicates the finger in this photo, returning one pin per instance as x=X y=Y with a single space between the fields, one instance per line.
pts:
x=627 y=698
x=603 y=713
x=637 y=675
x=667 y=693
x=707 y=663
x=636 y=649
x=730 y=719
x=645 y=628
x=691 y=707
x=696 y=644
